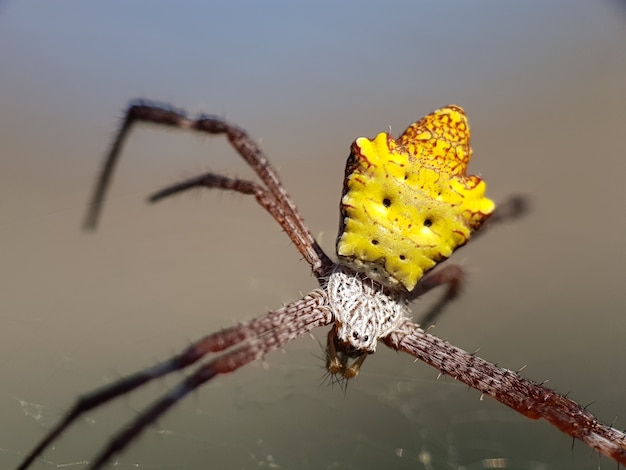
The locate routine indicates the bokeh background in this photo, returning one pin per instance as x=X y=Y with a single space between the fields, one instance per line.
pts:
x=544 y=86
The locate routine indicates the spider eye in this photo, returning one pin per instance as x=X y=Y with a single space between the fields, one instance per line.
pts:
x=355 y=335
x=366 y=337
x=428 y=222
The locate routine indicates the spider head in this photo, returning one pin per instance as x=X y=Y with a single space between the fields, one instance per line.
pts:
x=356 y=339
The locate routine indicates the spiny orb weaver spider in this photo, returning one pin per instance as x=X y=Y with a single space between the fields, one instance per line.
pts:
x=407 y=204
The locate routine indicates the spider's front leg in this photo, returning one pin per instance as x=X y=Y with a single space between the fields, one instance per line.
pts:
x=271 y=194
x=240 y=345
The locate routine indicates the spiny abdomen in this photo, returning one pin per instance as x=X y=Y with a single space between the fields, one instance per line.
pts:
x=408 y=204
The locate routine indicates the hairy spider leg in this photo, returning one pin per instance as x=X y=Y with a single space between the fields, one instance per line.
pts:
x=514 y=207
x=529 y=398
x=288 y=217
x=260 y=337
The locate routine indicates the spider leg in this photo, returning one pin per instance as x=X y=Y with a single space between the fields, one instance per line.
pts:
x=509 y=388
x=308 y=247
x=295 y=322
x=281 y=325
x=291 y=221
x=514 y=207
x=451 y=276
x=215 y=181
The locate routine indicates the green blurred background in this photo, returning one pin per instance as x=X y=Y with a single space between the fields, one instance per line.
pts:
x=544 y=86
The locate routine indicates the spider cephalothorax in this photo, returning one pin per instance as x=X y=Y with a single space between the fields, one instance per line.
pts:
x=406 y=206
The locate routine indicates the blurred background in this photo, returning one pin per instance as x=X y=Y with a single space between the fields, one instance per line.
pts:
x=544 y=87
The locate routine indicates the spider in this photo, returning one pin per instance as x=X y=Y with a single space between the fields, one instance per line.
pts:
x=407 y=204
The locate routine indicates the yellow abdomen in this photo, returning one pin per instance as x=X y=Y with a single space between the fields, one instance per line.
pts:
x=408 y=204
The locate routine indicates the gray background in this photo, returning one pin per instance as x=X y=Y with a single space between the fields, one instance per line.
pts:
x=543 y=85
